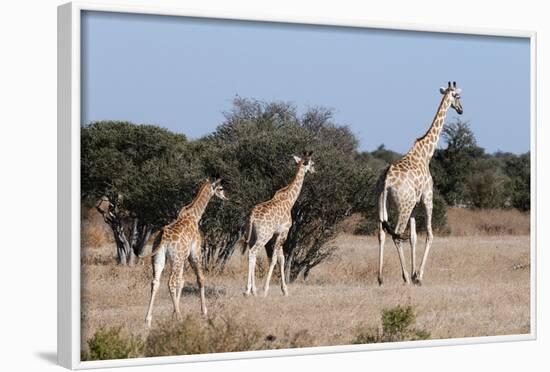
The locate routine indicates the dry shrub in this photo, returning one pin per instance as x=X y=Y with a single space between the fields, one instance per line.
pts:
x=93 y=230
x=197 y=336
x=94 y=259
x=111 y=343
x=352 y=224
x=301 y=338
x=397 y=325
x=468 y=222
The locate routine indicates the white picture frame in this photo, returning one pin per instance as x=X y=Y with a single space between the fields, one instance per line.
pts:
x=69 y=95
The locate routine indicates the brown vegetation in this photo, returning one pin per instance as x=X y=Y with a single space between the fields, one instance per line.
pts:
x=93 y=231
x=474 y=286
x=464 y=222
x=493 y=222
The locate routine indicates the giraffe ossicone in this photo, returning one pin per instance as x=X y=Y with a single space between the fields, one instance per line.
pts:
x=273 y=219
x=408 y=182
x=179 y=241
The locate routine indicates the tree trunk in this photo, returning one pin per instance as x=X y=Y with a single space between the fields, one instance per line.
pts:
x=288 y=267
x=124 y=251
x=139 y=235
x=129 y=247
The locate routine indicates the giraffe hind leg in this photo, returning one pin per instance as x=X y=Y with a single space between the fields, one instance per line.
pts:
x=252 y=253
x=278 y=255
x=403 y=219
x=158 y=261
x=174 y=286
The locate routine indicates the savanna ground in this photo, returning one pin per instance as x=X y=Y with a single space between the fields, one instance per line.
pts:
x=477 y=283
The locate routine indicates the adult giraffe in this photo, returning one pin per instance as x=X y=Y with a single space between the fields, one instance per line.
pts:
x=179 y=241
x=409 y=182
x=273 y=218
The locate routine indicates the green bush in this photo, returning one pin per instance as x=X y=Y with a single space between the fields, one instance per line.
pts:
x=518 y=168
x=397 y=325
x=111 y=343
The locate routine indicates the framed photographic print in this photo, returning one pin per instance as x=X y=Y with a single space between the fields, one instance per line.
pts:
x=237 y=186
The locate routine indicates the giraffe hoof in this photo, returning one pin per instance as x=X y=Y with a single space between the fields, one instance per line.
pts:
x=380 y=281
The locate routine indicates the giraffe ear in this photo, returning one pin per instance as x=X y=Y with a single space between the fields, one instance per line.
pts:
x=297 y=159
x=442 y=90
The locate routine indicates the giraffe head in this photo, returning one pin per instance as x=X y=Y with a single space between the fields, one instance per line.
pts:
x=306 y=161
x=217 y=188
x=454 y=95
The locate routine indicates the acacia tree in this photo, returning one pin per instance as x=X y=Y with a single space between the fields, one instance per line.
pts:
x=252 y=150
x=451 y=165
x=518 y=168
x=141 y=175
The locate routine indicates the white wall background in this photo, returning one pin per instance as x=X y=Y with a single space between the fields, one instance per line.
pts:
x=28 y=182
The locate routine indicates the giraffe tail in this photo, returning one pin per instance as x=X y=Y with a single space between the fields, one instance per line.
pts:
x=383 y=215
x=249 y=237
x=156 y=245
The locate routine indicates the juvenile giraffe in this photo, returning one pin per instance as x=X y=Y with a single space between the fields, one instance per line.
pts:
x=273 y=218
x=179 y=241
x=409 y=182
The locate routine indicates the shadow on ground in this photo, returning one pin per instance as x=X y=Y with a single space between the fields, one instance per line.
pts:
x=209 y=292
x=48 y=356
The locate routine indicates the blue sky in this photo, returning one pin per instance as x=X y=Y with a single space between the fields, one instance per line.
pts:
x=183 y=73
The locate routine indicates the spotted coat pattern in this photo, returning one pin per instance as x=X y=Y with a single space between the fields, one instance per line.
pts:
x=408 y=181
x=272 y=219
x=181 y=241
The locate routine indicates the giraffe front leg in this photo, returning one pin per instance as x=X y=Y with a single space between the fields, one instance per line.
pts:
x=272 y=262
x=195 y=264
x=276 y=255
x=381 y=242
x=428 y=205
x=281 y=256
x=413 y=247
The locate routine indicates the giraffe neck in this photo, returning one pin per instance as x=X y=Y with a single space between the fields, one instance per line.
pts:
x=424 y=147
x=292 y=191
x=196 y=208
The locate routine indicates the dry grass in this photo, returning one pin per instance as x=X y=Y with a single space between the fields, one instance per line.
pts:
x=474 y=286
x=94 y=232
x=468 y=222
